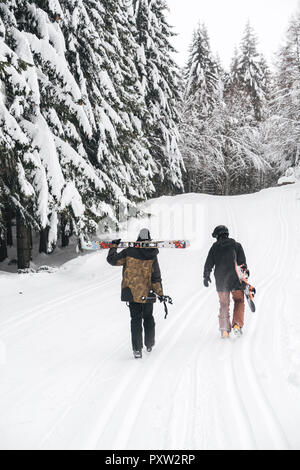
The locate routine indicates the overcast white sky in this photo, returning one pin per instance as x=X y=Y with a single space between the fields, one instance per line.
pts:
x=226 y=20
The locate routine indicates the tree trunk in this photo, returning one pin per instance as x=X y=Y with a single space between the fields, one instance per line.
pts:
x=8 y=222
x=23 y=243
x=227 y=184
x=65 y=235
x=44 y=240
x=3 y=249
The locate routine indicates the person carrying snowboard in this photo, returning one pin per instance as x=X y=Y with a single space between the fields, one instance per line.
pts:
x=224 y=255
x=141 y=281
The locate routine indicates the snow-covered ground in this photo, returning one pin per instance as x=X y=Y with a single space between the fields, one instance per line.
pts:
x=67 y=376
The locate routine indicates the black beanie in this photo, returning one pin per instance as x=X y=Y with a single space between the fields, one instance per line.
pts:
x=144 y=235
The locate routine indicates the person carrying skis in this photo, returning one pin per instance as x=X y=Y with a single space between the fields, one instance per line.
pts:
x=224 y=255
x=141 y=281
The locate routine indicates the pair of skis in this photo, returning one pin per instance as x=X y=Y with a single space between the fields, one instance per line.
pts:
x=94 y=245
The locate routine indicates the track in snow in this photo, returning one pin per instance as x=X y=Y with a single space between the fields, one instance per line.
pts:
x=70 y=381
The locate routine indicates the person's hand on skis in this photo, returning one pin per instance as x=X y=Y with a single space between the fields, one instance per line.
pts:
x=206 y=280
x=116 y=242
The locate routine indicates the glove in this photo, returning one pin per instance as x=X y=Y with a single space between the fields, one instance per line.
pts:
x=206 y=280
x=165 y=298
x=116 y=242
x=245 y=269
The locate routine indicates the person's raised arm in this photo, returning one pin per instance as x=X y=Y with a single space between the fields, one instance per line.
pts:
x=114 y=258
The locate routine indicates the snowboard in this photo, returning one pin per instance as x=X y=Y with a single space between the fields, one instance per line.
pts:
x=94 y=245
x=249 y=291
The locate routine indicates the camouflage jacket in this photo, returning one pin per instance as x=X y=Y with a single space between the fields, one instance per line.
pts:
x=141 y=272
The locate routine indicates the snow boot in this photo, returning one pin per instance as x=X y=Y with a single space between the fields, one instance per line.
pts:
x=138 y=354
x=224 y=334
x=237 y=330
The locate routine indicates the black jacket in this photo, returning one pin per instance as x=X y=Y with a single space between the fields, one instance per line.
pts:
x=222 y=256
x=141 y=272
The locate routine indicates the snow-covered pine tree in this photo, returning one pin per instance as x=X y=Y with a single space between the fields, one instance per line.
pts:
x=246 y=94
x=82 y=202
x=28 y=36
x=202 y=75
x=266 y=82
x=249 y=73
x=101 y=53
x=61 y=128
x=17 y=165
x=138 y=162
x=201 y=138
x=243 y=153
x=231 y=79
x=283 y=126
x=160 y=83
x=87 y=109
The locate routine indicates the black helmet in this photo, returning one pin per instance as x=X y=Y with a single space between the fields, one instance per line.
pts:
x=219 y=231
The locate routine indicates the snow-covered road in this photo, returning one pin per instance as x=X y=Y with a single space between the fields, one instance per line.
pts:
x=67 y=376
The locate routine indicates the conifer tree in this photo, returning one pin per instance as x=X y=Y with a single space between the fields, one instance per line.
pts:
x=201 y=139
x=83 y=123
x=101 y=54
x=18 y=166
x=202 y=75
x=53 y=96
x=249 y=74
x=246 y=94
x=76 y=186
x=282 y=129
x=160 y=84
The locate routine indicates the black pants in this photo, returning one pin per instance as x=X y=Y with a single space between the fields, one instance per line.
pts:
x=142 y=313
